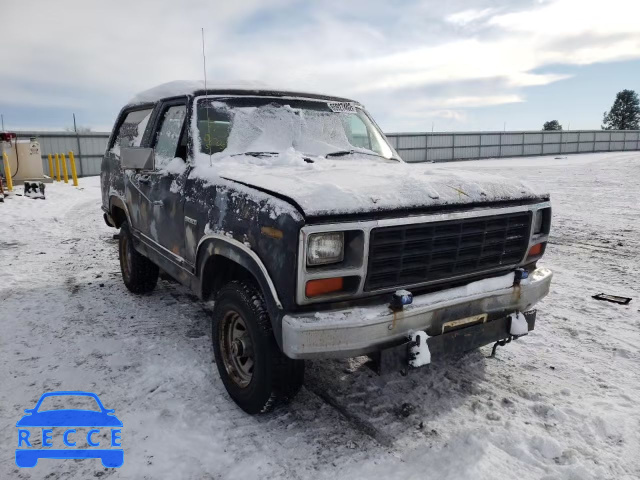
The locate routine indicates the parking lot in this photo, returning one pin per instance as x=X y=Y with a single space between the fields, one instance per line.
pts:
x=559 y=403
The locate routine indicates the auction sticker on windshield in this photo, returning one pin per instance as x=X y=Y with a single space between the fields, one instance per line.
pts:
x=340 y=107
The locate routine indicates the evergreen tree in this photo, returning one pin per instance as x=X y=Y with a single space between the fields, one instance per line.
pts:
x=625 y=112
x=552 y=125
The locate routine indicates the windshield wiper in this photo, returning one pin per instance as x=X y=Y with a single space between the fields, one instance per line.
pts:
x=256 y=154
x=342 y=153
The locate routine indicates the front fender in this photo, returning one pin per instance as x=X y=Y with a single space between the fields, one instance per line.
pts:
x=218 y=244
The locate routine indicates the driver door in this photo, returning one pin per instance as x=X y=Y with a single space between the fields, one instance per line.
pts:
x=166 y=183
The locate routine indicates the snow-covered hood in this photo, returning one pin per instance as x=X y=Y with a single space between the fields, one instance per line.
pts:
x=346 y=186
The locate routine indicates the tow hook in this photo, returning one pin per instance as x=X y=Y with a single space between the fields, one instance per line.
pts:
x=518 y=327
x=500 y=343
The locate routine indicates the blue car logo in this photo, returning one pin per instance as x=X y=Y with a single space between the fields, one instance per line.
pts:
x=27 y=456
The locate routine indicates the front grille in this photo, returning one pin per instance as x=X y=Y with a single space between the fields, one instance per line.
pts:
x=414 y=254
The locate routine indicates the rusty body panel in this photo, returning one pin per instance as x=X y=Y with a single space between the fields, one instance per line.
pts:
x=181 y=222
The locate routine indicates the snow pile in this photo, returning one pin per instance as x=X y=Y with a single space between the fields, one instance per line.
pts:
x=519 y=324
x=438 y=299
x=477 y=288
x=176 y=166
x=362 y=184
x=186 y=87
x=272 y=128
x=419 y=351
x=547 y=447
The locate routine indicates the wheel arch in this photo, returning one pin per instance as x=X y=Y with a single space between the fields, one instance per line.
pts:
x=218 y=256
x=118 y=211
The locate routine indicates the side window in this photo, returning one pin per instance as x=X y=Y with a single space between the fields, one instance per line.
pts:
x=132 y=129
x=170 y=142
x=358 y=133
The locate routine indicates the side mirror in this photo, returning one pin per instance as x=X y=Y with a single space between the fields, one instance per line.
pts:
x=137 y=158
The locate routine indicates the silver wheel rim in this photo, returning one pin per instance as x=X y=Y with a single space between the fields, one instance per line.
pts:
x=237 y=348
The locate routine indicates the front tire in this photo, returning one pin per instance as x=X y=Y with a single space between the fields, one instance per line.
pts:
x=256 y=374
x=140 y=275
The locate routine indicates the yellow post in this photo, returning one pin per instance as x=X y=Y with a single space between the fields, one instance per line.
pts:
x=64 y=168
x=50 y=166
x=7 y=171
x=57 y=167
x=72 y=160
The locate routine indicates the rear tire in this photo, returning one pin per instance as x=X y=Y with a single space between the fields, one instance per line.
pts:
x=256 y=374
x=140 y=275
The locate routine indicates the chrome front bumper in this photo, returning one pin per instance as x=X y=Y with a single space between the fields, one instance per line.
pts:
x=359 y=330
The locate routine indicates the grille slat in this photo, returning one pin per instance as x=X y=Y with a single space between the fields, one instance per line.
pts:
x=410 y=254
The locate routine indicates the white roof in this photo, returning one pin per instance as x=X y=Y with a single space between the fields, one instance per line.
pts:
x=189 y=87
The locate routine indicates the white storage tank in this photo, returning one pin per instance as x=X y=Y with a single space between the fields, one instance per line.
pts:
x=25 y=158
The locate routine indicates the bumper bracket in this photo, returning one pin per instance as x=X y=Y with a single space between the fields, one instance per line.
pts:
x=396 y=359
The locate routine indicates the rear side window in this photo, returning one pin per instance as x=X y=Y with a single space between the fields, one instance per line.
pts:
x=132 y=129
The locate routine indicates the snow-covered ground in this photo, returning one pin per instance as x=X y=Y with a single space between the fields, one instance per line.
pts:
x=561 y=403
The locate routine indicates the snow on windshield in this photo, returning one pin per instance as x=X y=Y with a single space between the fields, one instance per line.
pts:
x=245 y=125
x=275 y=128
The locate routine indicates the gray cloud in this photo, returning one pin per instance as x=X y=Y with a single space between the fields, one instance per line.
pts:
x=426 y=58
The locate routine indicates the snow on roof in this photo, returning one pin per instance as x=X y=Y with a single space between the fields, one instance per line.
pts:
x=190 y=87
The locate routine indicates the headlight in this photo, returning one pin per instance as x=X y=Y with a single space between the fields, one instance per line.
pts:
x=324 y=248
x=539 y=223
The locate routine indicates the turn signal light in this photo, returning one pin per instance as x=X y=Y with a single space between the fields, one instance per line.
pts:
x=535 y=250
x=323 y=286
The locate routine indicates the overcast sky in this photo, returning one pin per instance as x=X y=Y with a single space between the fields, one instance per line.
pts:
x=454 y=65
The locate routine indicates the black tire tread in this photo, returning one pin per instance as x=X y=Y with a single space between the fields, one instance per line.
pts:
x=287 y=375
x=144 y=273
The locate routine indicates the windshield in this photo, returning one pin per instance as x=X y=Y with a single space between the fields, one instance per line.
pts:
x=252 y=124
